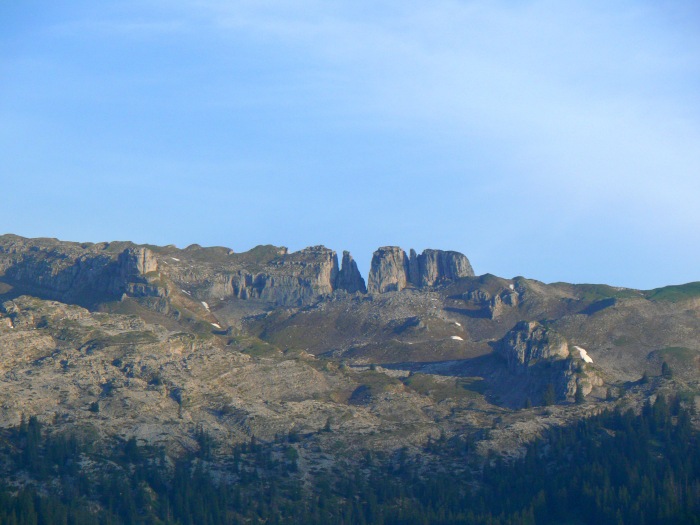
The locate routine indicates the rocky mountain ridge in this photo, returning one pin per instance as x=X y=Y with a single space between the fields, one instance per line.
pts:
x=154 y=342
x=72 y=271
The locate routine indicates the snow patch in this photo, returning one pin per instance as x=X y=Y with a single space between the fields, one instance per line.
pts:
x=511 y=286
x=174 y=259
x=584 y=354
x=456 y=338
x=457 y=323
x=205 y=305
x=186 y=292
x=216 y=325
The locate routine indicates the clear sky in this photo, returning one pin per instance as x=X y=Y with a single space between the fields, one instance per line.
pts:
x=556 y=140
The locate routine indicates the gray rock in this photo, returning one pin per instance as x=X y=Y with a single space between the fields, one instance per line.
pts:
x=542 y=354
x=349 y=277
x=392 y=270
x=289 y=279
x=137 y=262
x=388 y=271
x=435 y=266
x=529 y=343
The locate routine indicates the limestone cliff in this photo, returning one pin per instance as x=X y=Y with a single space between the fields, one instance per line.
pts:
x=388 y=271
x=349 y=277
x=433 y=266
x=393 y=270
x=76 y=272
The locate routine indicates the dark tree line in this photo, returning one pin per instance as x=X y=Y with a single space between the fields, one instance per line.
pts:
x=616 y=468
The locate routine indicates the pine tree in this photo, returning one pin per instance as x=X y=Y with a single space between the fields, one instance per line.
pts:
x=666 y=371
x=550 y=395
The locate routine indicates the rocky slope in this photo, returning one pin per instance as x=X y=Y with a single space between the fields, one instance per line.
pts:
x=116 y=339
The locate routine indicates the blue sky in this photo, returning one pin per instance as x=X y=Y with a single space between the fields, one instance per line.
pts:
x=555 y=140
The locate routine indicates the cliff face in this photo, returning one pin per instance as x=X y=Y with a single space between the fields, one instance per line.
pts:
x=393 y=270
x=434 y=266
x=349 y=277
x=77 y=272
x=388 y=271
x=529 y=343
x=72 y=272
x=295 y=278
x=544 y=355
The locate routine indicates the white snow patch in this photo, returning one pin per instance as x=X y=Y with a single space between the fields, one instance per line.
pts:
x=205 y=305
x=584 y=354
x=457 y=323
x=512 y=287
x=456 y=338
x=216 y=325
x=185 y=291
x=174 y=259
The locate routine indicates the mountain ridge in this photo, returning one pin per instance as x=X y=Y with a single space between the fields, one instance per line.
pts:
x=159 y=340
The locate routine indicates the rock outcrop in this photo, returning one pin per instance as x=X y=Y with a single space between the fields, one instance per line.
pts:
x=534 y=350
x=349 y=277
x=433 y=266
x=75 y=272
x=494 y=304
x=388 y=271
x=529 y=343
x=137 y=274
x=289 y=279
x=393 y=270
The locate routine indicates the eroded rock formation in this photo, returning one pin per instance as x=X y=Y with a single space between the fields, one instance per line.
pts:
x=529 y=343
x=349 y=277
x=393 y=270
x=72 y=271
x=543 y=354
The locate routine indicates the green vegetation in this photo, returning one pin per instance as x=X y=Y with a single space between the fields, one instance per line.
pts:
x=372 y=384
x=596 y=292
x=675 y=293
x=443 y=388
x=679 y=354
x=259 y=255
x=259 y=348
x=549 y=397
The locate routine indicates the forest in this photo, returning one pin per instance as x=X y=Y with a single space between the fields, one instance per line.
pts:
x=617 y=467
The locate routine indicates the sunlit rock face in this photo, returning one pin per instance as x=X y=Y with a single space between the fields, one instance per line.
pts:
x=393 y=270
